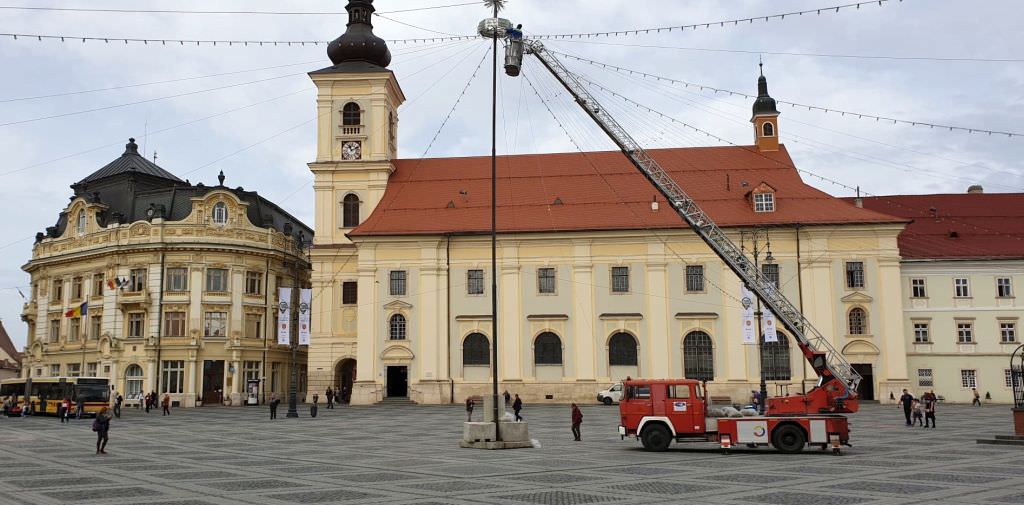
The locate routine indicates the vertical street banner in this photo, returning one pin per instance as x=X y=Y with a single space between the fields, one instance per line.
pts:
x=747 y=300
x=284 y=316
x=305 y=299
x=768 y=320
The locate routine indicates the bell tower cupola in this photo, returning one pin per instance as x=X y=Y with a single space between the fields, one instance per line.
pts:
x=765 y=117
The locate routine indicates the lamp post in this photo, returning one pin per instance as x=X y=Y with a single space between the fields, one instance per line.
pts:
x=755 y=236
x=293 y=315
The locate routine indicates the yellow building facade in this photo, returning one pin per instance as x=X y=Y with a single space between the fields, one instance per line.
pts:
x=164 y=286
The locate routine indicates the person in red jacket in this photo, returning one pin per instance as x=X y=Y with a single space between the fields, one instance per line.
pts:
x=577 y=420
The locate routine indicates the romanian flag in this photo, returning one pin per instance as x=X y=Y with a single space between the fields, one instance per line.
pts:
x=79 y=311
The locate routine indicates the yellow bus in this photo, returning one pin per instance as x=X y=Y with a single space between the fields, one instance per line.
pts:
x=48 y=392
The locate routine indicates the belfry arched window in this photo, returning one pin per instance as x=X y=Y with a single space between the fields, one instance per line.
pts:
x=476 y=350
x=768 y=129
x=351 y=114
x=622 y=350
x=350 y=211
x=698 y=356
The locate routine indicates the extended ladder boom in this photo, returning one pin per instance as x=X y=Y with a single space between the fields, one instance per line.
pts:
x=832 y=368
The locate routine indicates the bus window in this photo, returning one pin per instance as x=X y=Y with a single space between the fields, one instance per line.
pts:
x=93 y=393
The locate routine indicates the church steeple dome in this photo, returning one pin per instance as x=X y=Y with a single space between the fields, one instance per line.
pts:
x=358 y=43
x=764 y=104
x=765 y=117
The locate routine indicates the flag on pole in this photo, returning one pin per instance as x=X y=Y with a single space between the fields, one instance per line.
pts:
x=110 y=284
x=284 y=316
x=768 y=320
x=747 y=300
x=78 y=311
x=305 y=299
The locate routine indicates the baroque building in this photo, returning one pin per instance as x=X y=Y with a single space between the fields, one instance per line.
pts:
x=962 y=263
x=163 y=285
x=598 y=278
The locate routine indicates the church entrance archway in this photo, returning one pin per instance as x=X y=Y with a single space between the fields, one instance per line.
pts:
x=344 y=376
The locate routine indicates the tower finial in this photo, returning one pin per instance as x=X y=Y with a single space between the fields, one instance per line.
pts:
x=358 y=43
x=760 y=65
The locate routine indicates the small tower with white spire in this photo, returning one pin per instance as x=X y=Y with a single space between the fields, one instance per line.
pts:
x=765 y=117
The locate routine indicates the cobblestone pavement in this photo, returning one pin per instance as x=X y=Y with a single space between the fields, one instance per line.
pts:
x=409 y=454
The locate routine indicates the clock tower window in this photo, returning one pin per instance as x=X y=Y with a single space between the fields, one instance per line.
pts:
x=351 y=119
x=350 y=211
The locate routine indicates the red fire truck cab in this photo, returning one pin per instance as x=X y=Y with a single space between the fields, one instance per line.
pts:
x=656 y=412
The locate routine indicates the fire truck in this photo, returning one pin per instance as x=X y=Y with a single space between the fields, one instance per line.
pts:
x=659 y=411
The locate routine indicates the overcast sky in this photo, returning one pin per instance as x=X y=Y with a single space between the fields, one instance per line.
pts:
x=267 y=138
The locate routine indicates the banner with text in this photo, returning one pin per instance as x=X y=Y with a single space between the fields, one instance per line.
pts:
x=305 y=299
x=768 y=320
x=747 y=299
x=284 y=316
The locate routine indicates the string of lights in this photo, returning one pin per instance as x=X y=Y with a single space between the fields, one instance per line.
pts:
x=211 y=42
x=841 y=112
x=715 y=24
x=241 y=12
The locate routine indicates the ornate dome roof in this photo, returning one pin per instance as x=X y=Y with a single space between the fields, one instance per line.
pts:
x=358 y=43
x=764 y=104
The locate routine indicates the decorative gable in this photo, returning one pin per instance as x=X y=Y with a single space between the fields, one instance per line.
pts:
x=762 y=198
x=857 y=297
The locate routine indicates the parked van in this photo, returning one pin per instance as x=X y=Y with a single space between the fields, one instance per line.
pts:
x=611 y=395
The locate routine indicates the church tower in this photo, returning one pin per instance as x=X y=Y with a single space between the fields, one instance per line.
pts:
x=357 y=139
x=765 y=117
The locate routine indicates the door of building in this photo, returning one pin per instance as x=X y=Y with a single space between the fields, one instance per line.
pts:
x=867 y=385
x=398 y=382
x=213 y=382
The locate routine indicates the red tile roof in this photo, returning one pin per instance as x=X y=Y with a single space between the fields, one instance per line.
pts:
x=7 y=346
x=597 y=191
x=965 y=225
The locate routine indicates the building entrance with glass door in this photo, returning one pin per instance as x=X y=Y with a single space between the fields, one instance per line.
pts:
x=213 y=382
x=398 y=382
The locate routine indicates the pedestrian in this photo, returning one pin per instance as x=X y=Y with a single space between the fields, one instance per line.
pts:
x=118 y=400
x=273 y=405
x=330 y=397
x=166 y=404
x=6 y=405
x=517 y=406
x=907 y=401
x=345 y=394
x=469 y=409
x=67 y=409
x=60 y=411
x=577 y=420
x=101 y=425
x=929 y=409
x=755 y=400
x=148 y=401
x=508 y=398
x=918 y=409
x=977 y=397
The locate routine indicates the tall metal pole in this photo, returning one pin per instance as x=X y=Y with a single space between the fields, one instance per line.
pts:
x=294 y=341
x=760 y=334
x=494 y=228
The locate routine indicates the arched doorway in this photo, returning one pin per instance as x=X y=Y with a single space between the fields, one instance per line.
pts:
x=344 y=376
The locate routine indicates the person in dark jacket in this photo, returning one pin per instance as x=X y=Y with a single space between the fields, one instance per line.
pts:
x=469 y=409
x=79 y=407
x=118 y=400
x=907 y=401
x=101 y=425
x=929 y=409
x=508 y=398
x=148 y=401
x=166 y=404
x=577 y=420
x=273 y=405
x=330 y=397
x=517 y=406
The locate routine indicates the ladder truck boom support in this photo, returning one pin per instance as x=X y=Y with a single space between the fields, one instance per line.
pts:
x=838 y=381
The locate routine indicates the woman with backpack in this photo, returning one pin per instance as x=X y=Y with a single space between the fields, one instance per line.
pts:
x=101 y=425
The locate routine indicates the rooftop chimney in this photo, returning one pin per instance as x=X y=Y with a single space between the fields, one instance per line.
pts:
x=975 y=189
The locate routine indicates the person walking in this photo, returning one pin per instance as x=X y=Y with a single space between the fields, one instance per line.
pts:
x=79 y=407
x=148 y=402
x=517 y=406
x=273 y=405
x=67 y=410
x=166 y=404
x=7 y=405
x=508 y=398
x=330 y=397
x=929 y=409
x=60 y=411
x=101 y=425
x=469 y=409
x=918 y=413
x=977 y=397
x=907 y=401
x=118 y=400
x=577 y=420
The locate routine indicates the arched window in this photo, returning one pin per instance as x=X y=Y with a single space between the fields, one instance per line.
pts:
x=476 y=350
x=350 y=211
x=547 y=349
x=622 y=350
x=220 y=213
x=133 y=382
x=698 y=356
x=350 y=114
x=858 y=321
x=397 y=326
x=775 y=358
x=768 y=129
x=81 y=222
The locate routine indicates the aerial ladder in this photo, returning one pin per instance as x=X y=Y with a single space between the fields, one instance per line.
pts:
x=836 y=390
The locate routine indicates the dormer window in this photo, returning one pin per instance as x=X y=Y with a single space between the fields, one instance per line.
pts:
x=764 y=202
x=768 y=129
x=81 y=222
x=220 y=213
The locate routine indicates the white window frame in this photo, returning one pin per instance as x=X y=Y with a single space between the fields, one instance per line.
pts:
x=81 y=222
x=212 y=274
x=396 y=279
x=220 y=213
x=1001 y=283
x=92 y=369
x=136 y=324
x=699 y=269
x=1008 y=377
x=216 y=318
x=961 y=287
x=254 y=283
x=965 y=332
x=74 y=369
x=922 y=332
x=918 y=288
x=968 y=378
x=855 y=282
x=177 y=280
x=172 y=369
x=764 y=202
x=541 y=279
x=619 y=289
x=54 y=369
x=472 y=288
x=1008 y=332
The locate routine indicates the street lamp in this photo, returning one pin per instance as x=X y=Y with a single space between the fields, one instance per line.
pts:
x=756 y=235
x=302 y=245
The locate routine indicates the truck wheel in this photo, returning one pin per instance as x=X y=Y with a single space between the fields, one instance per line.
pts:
x=656 y=438
x=788 y=439
x=606 y=400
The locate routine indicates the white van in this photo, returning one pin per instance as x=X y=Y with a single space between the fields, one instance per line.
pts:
x=611 y=395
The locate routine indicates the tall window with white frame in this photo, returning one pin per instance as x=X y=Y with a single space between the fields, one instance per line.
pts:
x=1004 y=287
x=620 y=279
x=961 y=287
x=546 y=281
x=215 y=324
x=91 y=369
x=968 y=379
x=764 y=202
x=771 y=272
x=174 y=323
x=217 y=280
x=220 y=213
x=81 y=222
x=136 y=324
x=694 y=278
x=917 y=288
x=397 y=283
x=964 y=332
x=137 y=279
x=1008 y=332
x=173 y=375
x=76 y=288
x=176 y=280
x=855 y=274
x=55 y=370
x=924 y=378
x=475 y=282
x=254 y=283
x=396 y=327
x=922 y=333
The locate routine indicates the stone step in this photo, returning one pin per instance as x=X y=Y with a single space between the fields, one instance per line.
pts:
x=396 y=401
x=1000 y=441
x=1009 y=437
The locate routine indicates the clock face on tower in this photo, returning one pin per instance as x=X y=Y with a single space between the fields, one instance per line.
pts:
x=351 y=150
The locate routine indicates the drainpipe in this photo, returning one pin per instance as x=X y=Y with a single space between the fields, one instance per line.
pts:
x=800 y=295
x=266 y=319
x=160 y=311
x=448 y=312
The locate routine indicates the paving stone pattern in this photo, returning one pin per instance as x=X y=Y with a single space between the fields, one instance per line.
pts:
x=410 y=455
